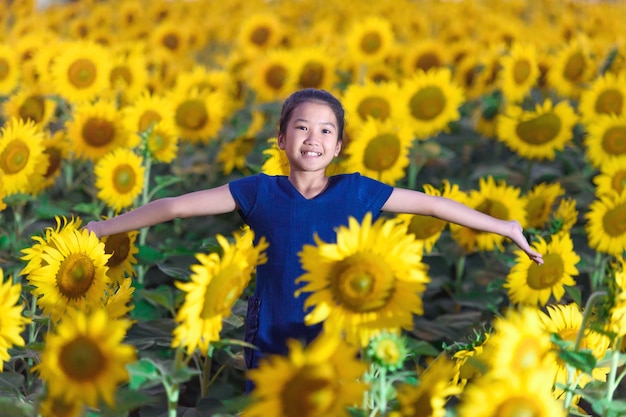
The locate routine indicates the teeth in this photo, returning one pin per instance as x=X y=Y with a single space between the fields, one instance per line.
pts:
x=312 y=153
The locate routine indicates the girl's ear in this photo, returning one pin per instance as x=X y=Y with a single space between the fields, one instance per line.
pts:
x=281 y=141
x=338 y=147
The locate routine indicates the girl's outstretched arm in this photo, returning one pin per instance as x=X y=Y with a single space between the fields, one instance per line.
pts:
x=217 y=200
x=415 y=202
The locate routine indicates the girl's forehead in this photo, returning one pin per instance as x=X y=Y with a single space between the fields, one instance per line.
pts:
x=314 y=109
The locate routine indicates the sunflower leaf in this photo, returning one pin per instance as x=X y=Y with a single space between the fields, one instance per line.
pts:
x=142 y=373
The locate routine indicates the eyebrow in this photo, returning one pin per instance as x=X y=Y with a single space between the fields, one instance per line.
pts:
x=324 y=123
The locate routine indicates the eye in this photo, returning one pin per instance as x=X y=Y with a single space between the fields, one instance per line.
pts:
x=301 y=127
x=326 y=131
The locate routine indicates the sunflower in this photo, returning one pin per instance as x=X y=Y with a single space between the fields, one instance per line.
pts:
x=60 y=407
x=233 y=154
x=214 y=287
x=563 y=219
x=162 y=141
x=316 y=68
x=565 y=321
x=2 y=193
x=81 y=70
x=428 y=229
x=276 y=162
x=119 y=178
x=606 y=224
x=612 y=177
x=29 y=104
x=22 y=158
x=55 y=150
x=537 y=134
x=529 y=283
x=514 y=395
x=469 y=362
x=198 y=117
x=84 y=360
x=72 y=272
x=388 y=351
x=260 y=32
x=498 y=200
x=429 y=397
x=539 y=202
x=205 y=80
x=369 y=281
x=9 y=69
x=96 y=129
x=320 y=380
x=519 y=72
x=119 y=299
x=146 y=111
x=606 y=95
x=616 y=322
x=432 y=99
x=423 y=55
x=169 y=38
x=372 y=100
x=128 y=75
x=518 y=345
x=12 y=322
x=369 y=39
x=571 y=69
x=121 y=247
x=381 y=150
x=272 y=75
x=606 y=140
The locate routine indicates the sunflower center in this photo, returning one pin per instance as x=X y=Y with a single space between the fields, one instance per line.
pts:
x=362 y=283
x=610 y=102
x=548 y=274
x=148 y=119
x=118 y=246
x=618 y=182
x=494 y=208
x=422 y=405
x=55 y=157
x=5 y=69
x=527 y=354
x=192 y=115
x=387 y=351
x=542 y=129
x=82 y=360
x=75 y=276
x=275 y=77
x=124 y=178
x=98 y=132
x=518 y=407
x=171 y=41
x=382 y=152
x=575 y=67
x=312 y=75
x=427 y=61
x=82 y=73
x=14 y=157
x=521 y=71
x=121 y=75
x=222 y=292
x=312 y=392
x=371 y=43
x=614 y=140
x=260 y=35
x=427 y=103
x=424 y=227
x=614 y=221
x=376 y=107
x=33 y=108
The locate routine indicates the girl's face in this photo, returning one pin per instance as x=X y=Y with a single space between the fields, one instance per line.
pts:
x=311 y=139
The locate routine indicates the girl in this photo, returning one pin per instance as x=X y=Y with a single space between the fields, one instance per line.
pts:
x=289 y=210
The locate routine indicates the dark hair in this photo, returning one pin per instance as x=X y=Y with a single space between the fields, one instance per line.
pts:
x=308 y=95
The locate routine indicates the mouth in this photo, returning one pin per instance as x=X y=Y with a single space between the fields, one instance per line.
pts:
x=311 y=153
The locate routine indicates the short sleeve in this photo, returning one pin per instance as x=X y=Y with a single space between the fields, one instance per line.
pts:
x=244 y=192
x=372 y=194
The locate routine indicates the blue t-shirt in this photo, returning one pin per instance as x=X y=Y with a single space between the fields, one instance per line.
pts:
x=275 y=209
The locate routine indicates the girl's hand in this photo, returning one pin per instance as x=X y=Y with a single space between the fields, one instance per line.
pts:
x=93 y=226
x=517 y=236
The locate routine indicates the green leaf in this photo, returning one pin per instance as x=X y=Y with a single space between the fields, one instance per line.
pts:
x=421 y=348
x=87 y=208
x=13 y=407
x=162 y=296
x=148 y=255
x=145 y=311
x=10 y=381
x=606 y=408
x=574 y=293
x=583 y=360
x=142 y=373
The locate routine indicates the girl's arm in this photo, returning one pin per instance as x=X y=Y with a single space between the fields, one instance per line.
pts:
x=415 y=202
x=217 y=200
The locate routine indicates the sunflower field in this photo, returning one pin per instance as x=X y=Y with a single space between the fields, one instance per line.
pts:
x=514 y=108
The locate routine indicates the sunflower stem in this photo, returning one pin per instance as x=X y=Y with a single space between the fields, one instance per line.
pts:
x=206 y=374
x=145 y=198
x=460 y=271
x=527 y=171
x=612 y=380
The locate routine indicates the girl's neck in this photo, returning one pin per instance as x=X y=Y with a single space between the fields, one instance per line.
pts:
x=309 y=184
